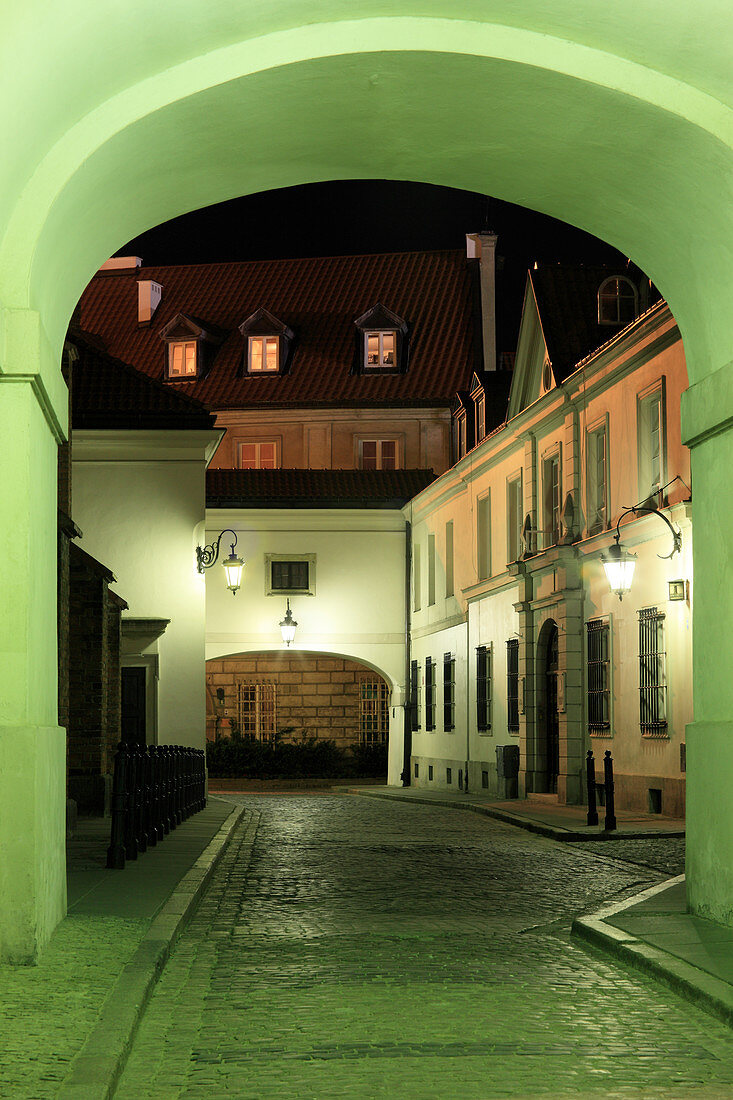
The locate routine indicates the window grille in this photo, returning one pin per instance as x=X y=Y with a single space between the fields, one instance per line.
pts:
x=373 y=712
x=652 y=678
x=449 y=692
x=414 y=696
x=598 y=676
x=257 y=709
x=512 y=685
x=289 y=576
x=429 y=694
x=483 y=687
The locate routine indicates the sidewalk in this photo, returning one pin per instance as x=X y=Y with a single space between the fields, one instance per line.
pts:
x=68 y=1021
x=538 y=815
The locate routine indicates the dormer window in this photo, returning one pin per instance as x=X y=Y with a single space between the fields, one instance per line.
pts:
x=264 y=353
x=182 y=359
x=269 y=344
x=478 y=397
x=618 y=301
x=382 y=342
x=189 y=347
x=380 y=349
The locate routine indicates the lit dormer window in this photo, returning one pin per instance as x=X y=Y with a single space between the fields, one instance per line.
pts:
x=380 y=348
x=264 y=353
x=618 y=301
x=382 y=341
x=269 y=344
x=182 y=359
x=189 y=347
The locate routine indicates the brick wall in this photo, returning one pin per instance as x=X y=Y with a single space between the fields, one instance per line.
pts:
x=315 y=696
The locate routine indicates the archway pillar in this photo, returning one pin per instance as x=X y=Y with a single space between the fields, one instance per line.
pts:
x=707 y=428
x=33 y=418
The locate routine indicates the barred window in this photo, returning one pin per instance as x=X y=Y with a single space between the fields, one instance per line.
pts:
x=373 y=711
x=449 y=691
x=483 y=687
x=598 y=676
x=257 y=709
x=414 y=695
x=289 y=576
x=512 y=685
x=429 y=694
x=652 y=673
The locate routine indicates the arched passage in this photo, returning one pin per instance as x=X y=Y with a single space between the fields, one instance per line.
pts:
x=619 y=123
x=294 y=695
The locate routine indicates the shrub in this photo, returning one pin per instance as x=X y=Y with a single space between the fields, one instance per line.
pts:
x=310 y=758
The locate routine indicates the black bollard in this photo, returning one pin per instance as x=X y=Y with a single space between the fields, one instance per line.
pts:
x=156 y=826
x=116 y=850
x=177 y=785
x=590 y=765
x=151 y=837
x=610 y=822
x=165 y=751
x=133 y=770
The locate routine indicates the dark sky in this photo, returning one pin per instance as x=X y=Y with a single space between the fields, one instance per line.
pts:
x=355 y=216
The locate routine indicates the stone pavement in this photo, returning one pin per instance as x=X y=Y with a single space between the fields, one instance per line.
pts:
x=49 y=1011
x=366 y=948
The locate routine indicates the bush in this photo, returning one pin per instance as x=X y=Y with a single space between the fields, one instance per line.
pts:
x=311 y=758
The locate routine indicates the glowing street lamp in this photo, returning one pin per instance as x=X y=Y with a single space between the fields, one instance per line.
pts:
x=287 y=626
x=619 y=565
x=206 y=556
x=619 y=568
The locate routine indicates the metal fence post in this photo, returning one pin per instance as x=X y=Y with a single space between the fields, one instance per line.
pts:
x=591 y=781
x=610 y=823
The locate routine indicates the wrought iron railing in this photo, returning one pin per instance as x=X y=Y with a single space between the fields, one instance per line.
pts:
x=154 y=789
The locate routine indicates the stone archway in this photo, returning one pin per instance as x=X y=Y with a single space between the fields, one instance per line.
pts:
x=634 y=142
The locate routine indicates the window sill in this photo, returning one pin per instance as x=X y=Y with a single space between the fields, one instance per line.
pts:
x=655 y=735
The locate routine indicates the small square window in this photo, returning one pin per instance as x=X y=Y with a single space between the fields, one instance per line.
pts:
x=258 y=456
x=290 y=575
x=182 y=357
x=264 y=354
x=379 y=454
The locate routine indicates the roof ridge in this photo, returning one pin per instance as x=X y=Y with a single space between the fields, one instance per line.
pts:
x=136 y=272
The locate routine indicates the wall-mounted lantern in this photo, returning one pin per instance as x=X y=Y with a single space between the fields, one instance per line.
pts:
x=619 y=565
x=206 y=556
x=287 y=626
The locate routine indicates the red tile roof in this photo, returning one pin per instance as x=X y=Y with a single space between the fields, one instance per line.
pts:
x=314 y=488
x=567 y=299
x=107 y=393
x=319 y=298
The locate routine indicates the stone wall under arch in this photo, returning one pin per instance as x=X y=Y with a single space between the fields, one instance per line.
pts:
x=315 y=696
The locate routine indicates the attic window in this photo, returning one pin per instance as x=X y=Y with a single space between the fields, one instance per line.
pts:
x=269 y=344
x=382 y=341
x=182 y=358
x=379 y=348
x=264 y=354
x=618 y=301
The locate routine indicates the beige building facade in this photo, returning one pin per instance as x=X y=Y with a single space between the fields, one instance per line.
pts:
x=509 y=594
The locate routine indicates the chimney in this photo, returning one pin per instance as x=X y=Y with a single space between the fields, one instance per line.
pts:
x=482 y=246
x=149 y=294
x=121 y=263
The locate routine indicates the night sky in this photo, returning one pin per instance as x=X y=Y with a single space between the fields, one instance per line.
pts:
x=357 y=216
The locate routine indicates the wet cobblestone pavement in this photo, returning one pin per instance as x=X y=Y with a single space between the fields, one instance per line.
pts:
x=365 y=948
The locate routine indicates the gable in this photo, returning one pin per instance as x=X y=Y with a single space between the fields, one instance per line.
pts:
x=530 y=378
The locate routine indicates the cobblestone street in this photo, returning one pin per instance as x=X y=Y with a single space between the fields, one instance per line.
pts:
x=364 y=948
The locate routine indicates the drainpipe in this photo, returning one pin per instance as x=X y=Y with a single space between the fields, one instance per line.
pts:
x=468 y=697
x=407 y=718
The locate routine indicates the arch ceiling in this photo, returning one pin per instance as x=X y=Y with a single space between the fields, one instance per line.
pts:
x=616 y=120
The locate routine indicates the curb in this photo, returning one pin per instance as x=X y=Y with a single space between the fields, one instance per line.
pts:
x=711 y=994
x=554 y=832
x=97 y=1067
